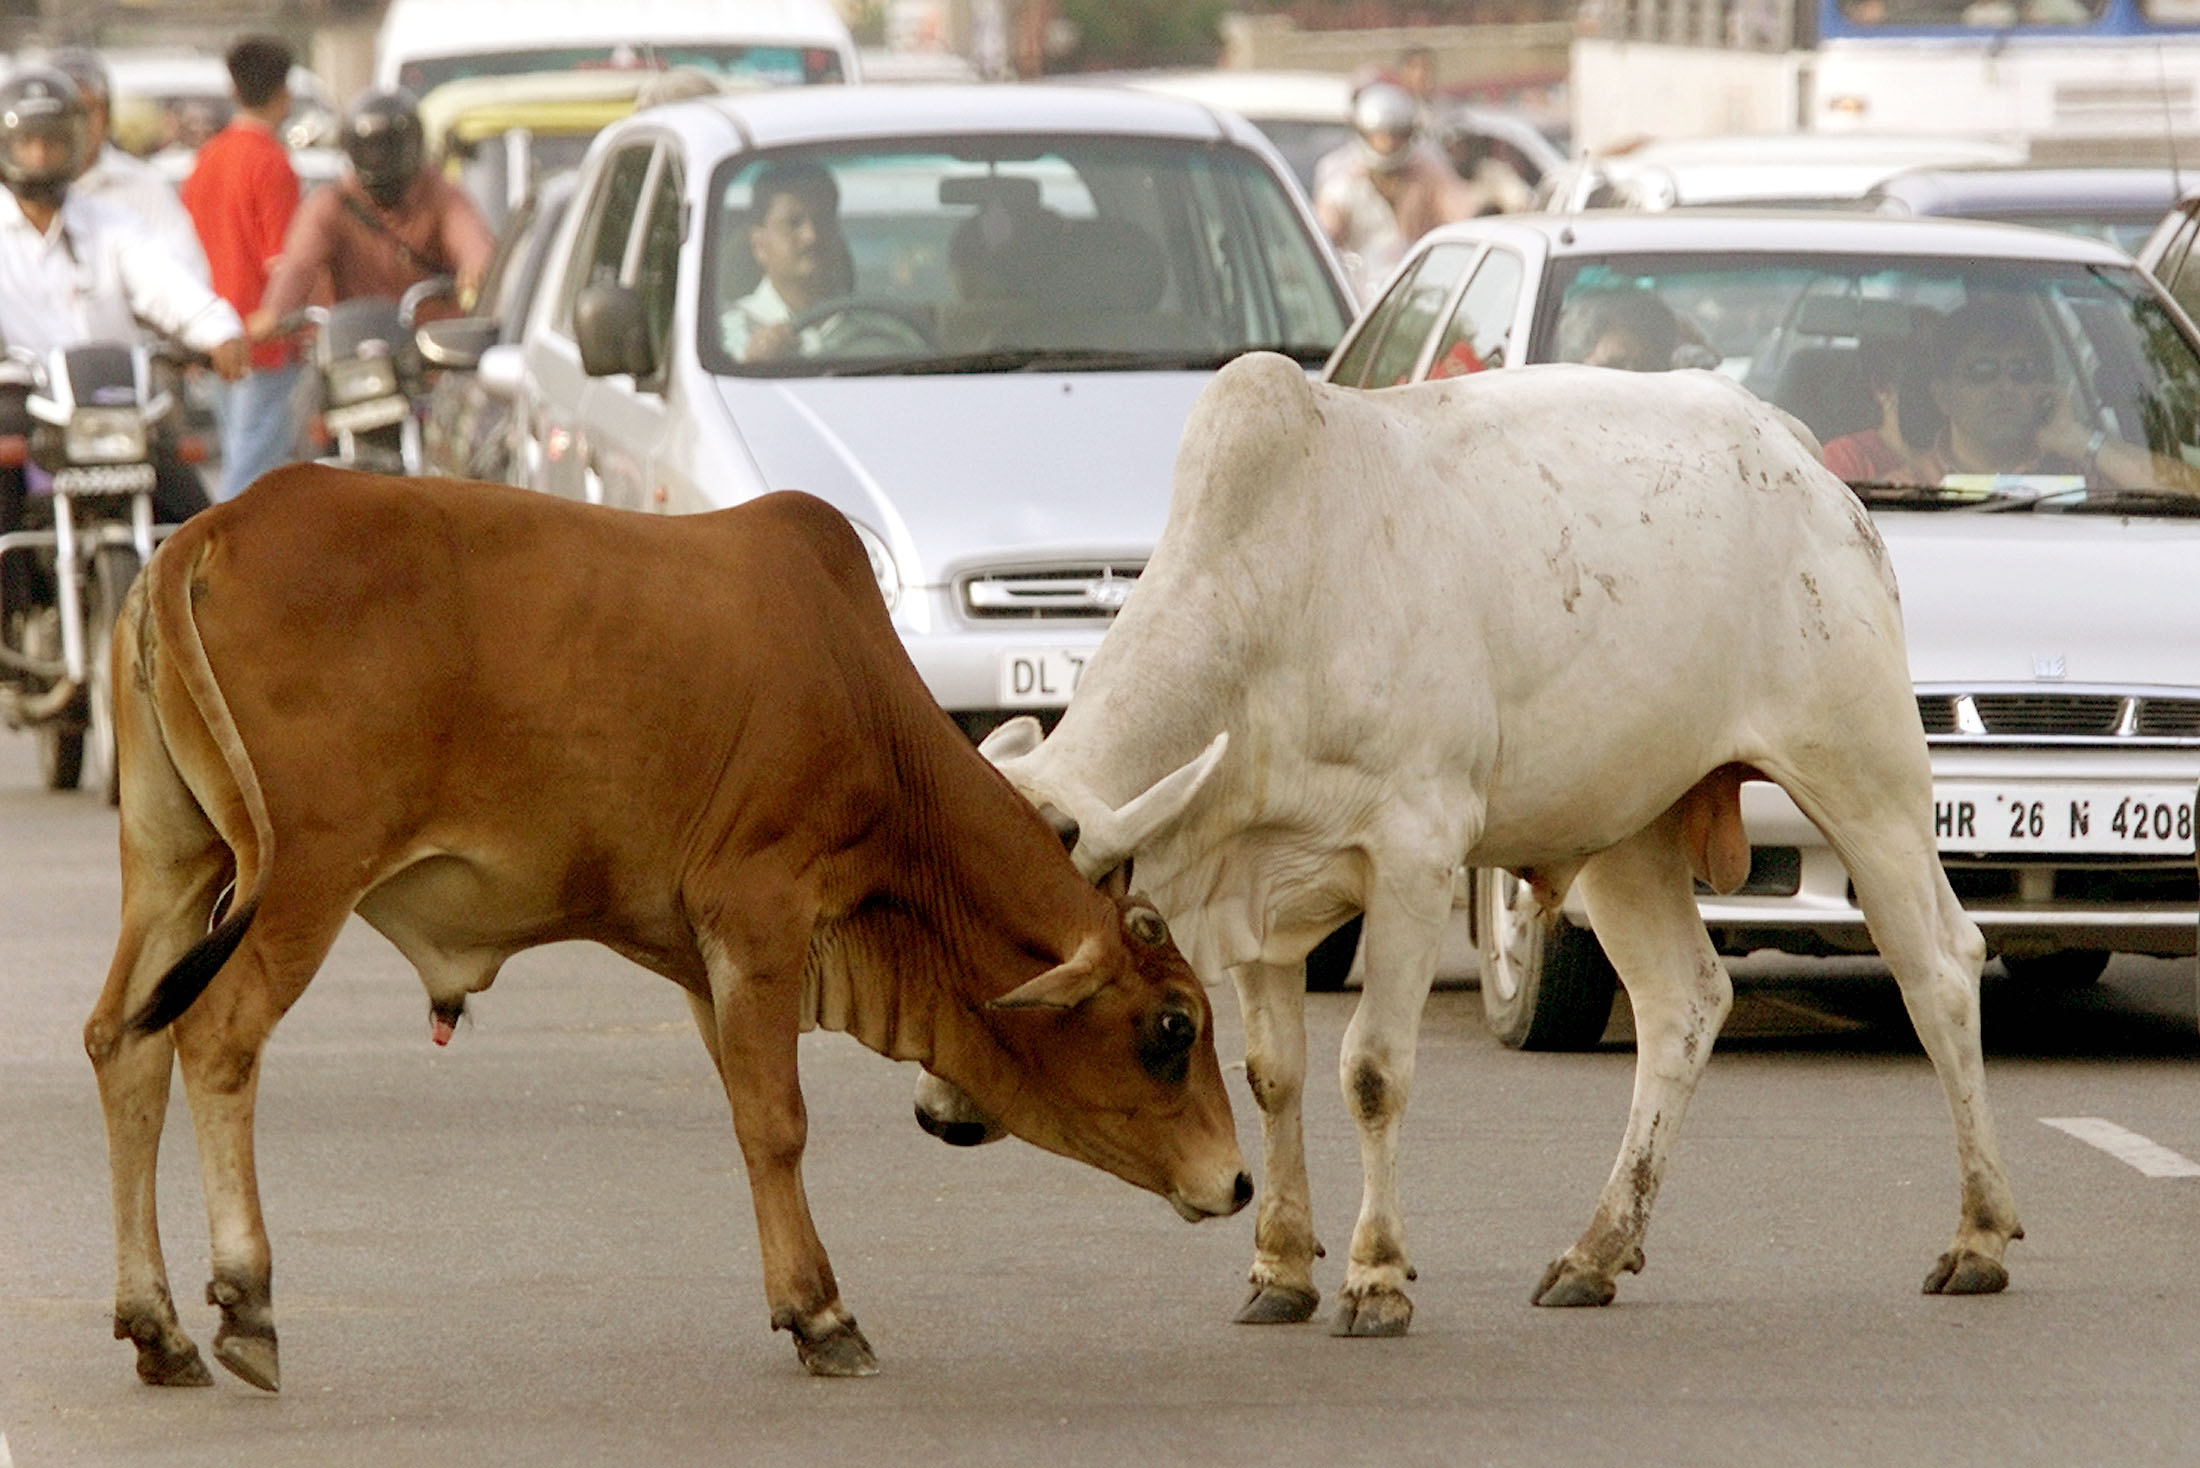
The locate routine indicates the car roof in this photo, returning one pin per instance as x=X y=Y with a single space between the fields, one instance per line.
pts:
x=1741 y=169
x=796 y=115
x=1814 y=231
x=2034 y=190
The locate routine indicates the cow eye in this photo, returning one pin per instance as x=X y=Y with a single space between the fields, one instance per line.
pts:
x=1147 y=927
x=1165 y=1046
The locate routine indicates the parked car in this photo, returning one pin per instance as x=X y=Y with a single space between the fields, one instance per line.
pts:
x=1034 y=285
x=1787 y=170
x=468 y=430
x=2118 y=205
x=2049 y=616
x=1307 y=114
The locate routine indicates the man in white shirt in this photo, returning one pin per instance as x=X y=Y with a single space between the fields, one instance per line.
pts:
x=74 y=271
x=114 y=175
x=797 y=241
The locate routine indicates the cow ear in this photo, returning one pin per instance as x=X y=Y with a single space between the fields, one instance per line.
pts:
x=1012 y=740
x=1111 y=836
x=1065 y=986
x=1062 y=823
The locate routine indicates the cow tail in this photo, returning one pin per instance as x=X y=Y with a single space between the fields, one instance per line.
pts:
x=238 y=813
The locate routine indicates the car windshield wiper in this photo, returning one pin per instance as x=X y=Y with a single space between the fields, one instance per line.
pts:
x=2168 y=502
x=1916 y=496
x=2067 y=499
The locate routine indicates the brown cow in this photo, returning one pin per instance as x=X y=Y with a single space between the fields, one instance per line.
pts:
x=485 y=719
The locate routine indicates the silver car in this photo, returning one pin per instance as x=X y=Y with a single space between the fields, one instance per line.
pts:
x=1004 y=303
x=2050 y=613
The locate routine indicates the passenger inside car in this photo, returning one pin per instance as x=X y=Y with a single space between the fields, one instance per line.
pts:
x=1884 y=452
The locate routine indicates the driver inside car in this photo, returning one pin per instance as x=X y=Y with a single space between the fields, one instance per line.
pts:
x=797 y=243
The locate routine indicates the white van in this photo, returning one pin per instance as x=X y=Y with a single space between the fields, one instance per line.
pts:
x=424 y=43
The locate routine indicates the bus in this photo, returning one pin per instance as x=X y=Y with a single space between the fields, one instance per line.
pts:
x=2070 y=81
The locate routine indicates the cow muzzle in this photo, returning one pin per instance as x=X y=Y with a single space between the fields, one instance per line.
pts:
x=1221 y=1203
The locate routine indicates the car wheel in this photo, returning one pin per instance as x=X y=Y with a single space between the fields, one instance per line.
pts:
x=1330 y=964
x=2073 y=968
x=1546 y=984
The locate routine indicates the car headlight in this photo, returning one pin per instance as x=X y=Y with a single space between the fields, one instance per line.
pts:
x=356 y=379
x=105 y=436
x=883 y=569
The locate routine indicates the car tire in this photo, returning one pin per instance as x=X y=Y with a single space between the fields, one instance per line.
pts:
x=1546 y=984
x=2073 y=968
x=1330 y=964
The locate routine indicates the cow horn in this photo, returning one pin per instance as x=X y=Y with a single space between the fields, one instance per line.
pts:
x=1110 y=837
x=1065 y=986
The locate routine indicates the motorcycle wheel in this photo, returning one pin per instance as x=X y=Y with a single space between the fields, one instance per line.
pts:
x=114 y=567
x=60 y=739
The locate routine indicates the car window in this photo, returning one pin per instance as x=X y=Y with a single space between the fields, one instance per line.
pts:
x=1350 y=368
x=2176 y=270
x=1481 y=325
x=655 y=272
x=1421 y=304
x=599 y=254
x=1984 y=378
x=995 y=254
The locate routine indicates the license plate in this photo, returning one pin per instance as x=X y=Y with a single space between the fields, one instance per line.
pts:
x=2153 y=819
x=1042 y=678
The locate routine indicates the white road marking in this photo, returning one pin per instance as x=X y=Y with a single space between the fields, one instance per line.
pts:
x=2151 y=1158
x=7 y=1459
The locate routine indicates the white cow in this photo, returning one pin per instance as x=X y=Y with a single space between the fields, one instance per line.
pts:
x=1545 y=620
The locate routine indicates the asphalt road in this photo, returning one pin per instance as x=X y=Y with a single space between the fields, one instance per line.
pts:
x=535 y=1246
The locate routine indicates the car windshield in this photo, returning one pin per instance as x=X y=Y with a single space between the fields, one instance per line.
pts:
x=1008 y=254
x=1931 y=382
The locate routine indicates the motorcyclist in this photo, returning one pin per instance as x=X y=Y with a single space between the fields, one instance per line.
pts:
x=1386 y=188
x=78 y=270
x=113 y=174
x=390 y=224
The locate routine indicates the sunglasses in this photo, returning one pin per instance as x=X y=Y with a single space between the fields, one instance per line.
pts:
x=1983 y=371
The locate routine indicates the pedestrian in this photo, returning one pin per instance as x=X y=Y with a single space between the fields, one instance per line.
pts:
x=114 y=175
x=242 y=195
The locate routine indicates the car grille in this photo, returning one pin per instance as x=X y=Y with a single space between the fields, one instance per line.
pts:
x=2059 y=717
x=1090 y=593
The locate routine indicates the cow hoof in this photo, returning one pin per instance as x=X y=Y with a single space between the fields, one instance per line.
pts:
x=841 y=1351
x=1565 y=1285
x=251 y=1357
x=1962 y=1272
x=1277 y=1305
x=157 y=1366
x=1372 y=1314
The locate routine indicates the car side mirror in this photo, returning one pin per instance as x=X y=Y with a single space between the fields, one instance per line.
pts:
x=502 y=371
x=612 y=331
x=457 y=341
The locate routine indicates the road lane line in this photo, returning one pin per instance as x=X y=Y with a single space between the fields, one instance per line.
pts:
x=2151 y=1158
x=7 y=1459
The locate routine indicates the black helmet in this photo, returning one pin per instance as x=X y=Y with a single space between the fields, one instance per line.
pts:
x=39 y=102
x=382 y=137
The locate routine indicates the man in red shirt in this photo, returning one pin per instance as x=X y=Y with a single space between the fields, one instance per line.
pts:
x=242 y=194
x=392 y=223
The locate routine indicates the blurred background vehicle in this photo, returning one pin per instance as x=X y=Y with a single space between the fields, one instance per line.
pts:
x=2121 y=206
x=2049 y=611
x=499 y=137
x=1784 y=170
x=424 y=43
x=468 y=429
x=168 y=102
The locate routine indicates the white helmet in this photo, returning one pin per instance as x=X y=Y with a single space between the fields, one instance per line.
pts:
x=1388 y=111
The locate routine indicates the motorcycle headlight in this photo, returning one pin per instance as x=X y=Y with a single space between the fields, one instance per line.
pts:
x=356 y=379
x=105 y=436
x=883 y=569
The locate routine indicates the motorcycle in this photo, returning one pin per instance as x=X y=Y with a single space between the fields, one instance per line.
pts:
x=83 y=428
x=373 y=381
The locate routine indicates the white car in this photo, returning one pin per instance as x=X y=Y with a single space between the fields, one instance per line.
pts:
x=2050 y=615
x=1036 y=285
x=1781 y=170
